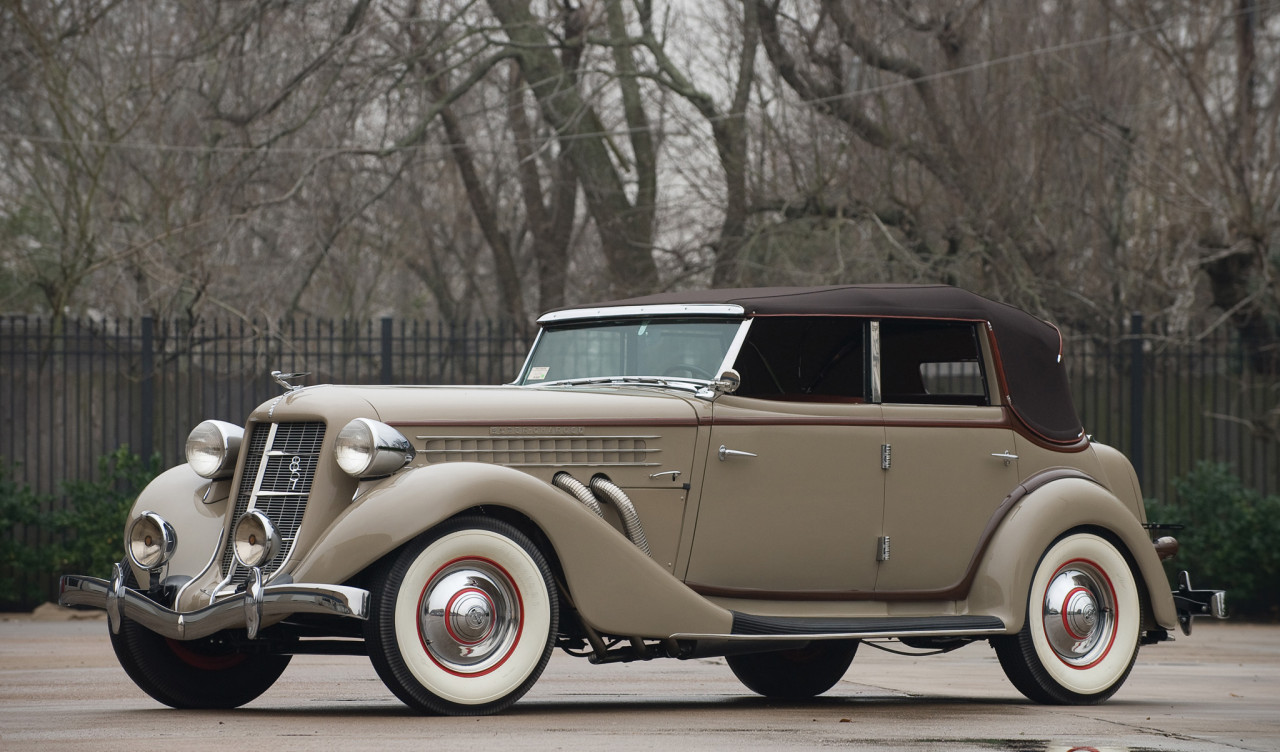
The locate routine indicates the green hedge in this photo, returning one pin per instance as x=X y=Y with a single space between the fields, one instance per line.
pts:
x=84 y=526
x=1231 y=540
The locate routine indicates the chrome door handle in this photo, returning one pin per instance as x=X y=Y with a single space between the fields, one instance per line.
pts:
x=1006 y=456
x=726 y=452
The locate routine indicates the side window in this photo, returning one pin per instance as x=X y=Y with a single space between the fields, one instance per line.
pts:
x=932 y=362
x=804 y=358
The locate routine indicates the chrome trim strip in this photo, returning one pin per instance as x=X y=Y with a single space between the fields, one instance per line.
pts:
x=731 y=356
x=694 y=309
x=876 y=394
x=214 y=558
x=528 y=359
x=559 y=464
x=553 y=450
x=578 y=464
x=230 y=613
x=532 y=436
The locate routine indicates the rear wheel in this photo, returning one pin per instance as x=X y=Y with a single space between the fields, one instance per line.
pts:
x=464 y=618
x=795 y=674
x=192 y=674
x=1081 y=634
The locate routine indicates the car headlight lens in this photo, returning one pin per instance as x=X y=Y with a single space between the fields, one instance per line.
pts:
x=256 y=539
x=152 y=541
x=369 y=449
x=212 y=448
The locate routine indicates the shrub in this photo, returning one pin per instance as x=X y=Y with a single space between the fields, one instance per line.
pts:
x=1231 y=540
x=19 y=508
x=87 y=527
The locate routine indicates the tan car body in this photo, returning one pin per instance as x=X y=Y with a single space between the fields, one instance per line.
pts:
x=768 y=562
x=830 y=483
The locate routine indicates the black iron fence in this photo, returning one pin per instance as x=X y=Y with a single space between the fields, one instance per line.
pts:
x=1170 y=403
x=74 y=391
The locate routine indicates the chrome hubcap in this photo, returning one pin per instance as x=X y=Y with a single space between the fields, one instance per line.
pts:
x=1079 y=613
x=469 y=616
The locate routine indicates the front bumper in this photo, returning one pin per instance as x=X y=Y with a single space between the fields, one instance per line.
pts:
x=241 y=611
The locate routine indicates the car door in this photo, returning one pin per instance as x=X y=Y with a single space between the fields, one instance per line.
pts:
x=792 y=494
x=952 y=453
x=792 y=502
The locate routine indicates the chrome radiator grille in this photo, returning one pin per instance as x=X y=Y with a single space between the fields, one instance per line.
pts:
x=280 y=463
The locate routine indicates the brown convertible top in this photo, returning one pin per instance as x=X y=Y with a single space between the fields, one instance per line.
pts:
x=1030 y=349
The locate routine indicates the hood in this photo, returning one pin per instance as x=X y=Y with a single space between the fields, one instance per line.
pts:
x=491 y=405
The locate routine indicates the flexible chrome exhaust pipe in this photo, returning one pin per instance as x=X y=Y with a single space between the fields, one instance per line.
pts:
x=575 y=488
x=608 y=490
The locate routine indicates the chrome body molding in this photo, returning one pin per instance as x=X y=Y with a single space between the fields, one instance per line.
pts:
x=240 y=611
x=699 y=309
x=877 y=393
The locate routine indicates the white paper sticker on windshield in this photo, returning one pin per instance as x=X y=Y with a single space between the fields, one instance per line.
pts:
x=539 y=373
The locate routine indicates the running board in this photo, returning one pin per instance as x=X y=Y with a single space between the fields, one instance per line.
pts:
x=752 y=627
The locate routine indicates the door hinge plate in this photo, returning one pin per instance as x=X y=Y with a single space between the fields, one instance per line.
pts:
x=886 y=456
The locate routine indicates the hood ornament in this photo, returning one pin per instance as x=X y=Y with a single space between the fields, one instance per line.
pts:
x=282 y=379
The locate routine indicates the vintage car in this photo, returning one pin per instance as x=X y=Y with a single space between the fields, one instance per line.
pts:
x=770 y=475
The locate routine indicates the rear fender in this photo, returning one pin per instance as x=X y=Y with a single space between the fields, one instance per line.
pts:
x=616 y=588
x=1003 y=579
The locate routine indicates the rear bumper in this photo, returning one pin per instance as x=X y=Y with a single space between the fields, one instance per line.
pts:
x=1192 y=603
x=241 y=611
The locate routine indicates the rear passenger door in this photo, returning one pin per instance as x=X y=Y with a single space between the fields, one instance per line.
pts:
x=951 y=451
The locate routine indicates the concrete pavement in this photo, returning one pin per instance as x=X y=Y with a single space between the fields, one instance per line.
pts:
x=61 y=688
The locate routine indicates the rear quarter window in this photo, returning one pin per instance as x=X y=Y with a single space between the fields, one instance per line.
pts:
x=932 y=362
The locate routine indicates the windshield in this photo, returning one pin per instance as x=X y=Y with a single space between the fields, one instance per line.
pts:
x=655 y=347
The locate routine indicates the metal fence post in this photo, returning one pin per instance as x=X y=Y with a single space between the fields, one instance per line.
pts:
x=147 y=397
x=1137 y=397
x=386 y=350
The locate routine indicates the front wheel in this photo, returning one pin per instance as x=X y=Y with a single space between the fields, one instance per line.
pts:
x=192 y=674
x=795 y=674
x=464 y=618
x=1081 y=634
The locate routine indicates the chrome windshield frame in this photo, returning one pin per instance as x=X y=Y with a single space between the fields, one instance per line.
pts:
x=628 y=312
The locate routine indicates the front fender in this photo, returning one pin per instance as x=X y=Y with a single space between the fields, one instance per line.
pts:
x=1003 y=579
x=197 y=510
x=616 y=588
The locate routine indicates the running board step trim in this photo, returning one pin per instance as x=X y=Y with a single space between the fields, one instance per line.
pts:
x=753 y=627
x=749 y=624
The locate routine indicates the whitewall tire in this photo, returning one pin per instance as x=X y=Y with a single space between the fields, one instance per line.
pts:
x=464 y=619
x=1083 y=624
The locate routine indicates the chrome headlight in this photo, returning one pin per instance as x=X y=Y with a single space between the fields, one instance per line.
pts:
x=152 y=541
x=256 y=540
x=212 y=448
x=369 y=449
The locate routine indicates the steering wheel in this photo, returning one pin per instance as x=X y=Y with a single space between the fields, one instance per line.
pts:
x=680 y=368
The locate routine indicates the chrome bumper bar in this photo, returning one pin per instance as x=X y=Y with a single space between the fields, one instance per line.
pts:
x=1192 y=603
x=243 y=610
